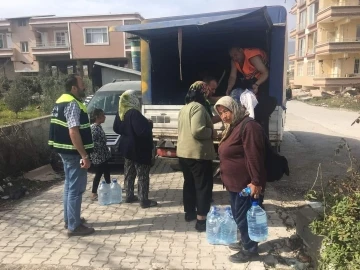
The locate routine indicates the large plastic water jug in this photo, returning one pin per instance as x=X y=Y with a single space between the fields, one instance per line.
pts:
x=213 y=221
x=257 y=223
x=116 y=192
x=228 y=228
x=104 y=193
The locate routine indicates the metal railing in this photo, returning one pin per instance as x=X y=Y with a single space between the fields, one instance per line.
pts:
x=52 y=44
x=342 y=3
x=329 y=75
x=339 y=40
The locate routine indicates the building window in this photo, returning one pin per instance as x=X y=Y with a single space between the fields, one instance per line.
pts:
x=24 y=47
x=96 y=36
x=358 y=32
x=311 y=68
x=61 y=39
x=302 y=20
x=2 y=45
x=22 y=22
x=301 y=47
x=357 y=66
x=300 y=69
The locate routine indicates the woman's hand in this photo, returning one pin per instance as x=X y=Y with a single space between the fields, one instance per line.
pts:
x=255 y=190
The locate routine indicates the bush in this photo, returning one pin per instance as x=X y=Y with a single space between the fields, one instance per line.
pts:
x=53 y=87
x=17 y=98
x=340 y=223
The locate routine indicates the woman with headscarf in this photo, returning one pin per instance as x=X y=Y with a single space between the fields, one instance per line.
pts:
x=195 y=150
x=242 y=164
x=136 y=144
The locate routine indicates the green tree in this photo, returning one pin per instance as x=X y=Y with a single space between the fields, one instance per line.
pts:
x=17 y=98
x=52 y=88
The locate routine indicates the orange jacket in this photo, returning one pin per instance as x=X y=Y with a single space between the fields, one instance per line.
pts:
x=248 y=70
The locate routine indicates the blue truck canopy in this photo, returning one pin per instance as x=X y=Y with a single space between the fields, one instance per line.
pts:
x=269 y=18
x=251 y=18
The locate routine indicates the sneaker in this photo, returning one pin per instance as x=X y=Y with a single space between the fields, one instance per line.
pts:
x=81 y=230
x=132 y=199
x=190 y=216
x=82 y=221
x=148 y=203
x=236 y=246
x=200 y=227
x=243 y=256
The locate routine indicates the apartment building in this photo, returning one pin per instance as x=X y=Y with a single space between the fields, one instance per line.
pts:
x=32 y=44
x=327 y=55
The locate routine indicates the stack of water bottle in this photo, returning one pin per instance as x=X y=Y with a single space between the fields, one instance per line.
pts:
x=222 y=229
x=110 y=193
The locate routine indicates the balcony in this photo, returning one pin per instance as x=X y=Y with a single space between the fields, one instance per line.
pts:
x=300 y=53
x=338 y=11
x=6 y=52
x=310 y=52
x=51 y=48
x=336 y=80
x=293 y=9
x=336 y=45
x=293 y=33
x=292 y=57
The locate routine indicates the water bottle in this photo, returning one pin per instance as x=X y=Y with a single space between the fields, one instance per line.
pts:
x=213 y=221
x=104 y=193
x=228 y=232
x=116 y=192
x=245 y=192
x=257 y=223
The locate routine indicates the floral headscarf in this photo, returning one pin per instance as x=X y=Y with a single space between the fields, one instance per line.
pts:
x=128 y=101
x=239 y=113
x=198 y=92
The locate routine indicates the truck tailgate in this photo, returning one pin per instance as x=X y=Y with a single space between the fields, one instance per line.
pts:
x=165 y=119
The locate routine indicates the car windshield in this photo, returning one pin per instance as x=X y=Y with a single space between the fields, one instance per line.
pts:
x=108 y=101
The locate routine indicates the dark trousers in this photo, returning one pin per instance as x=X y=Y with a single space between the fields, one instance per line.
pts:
x=100 y=170
x=198 y=185
x=239 y=208
x=142 y=171
x=263 y=111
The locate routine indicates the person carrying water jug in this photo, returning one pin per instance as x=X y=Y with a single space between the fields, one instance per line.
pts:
x=242 y=164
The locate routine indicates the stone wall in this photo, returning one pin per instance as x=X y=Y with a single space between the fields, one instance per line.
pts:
x=23 y=146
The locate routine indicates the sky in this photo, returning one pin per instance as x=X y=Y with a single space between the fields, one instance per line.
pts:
x=148 y=9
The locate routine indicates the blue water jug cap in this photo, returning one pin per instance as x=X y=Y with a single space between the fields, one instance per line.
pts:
x=255 y=203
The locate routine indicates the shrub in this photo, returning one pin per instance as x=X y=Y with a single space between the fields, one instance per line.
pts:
x=53 y=87
x=17 y=98
x=340 y=222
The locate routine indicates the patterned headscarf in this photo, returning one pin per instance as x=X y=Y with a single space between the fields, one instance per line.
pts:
x=198 y=92
x=238 y=112
x=128 y=101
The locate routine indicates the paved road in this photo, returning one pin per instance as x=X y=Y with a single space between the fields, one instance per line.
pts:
x=128 y=237
x=311 y=136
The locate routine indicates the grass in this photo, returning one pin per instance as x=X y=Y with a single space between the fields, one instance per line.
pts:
x=349 y=103
x=8 y=117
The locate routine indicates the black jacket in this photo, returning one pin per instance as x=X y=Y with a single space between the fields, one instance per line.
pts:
x=136 y=141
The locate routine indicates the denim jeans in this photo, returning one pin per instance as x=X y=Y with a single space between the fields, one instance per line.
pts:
x=74 y=187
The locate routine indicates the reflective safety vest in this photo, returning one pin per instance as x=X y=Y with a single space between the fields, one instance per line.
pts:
x=59 y=138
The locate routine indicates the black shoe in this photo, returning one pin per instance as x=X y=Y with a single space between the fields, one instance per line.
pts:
x=81 y=230
x=132 y=199
x=148 y=203
x=243 y=256
x=190 y=216
x=200 y=227
x=82 y=221
x=236 y=246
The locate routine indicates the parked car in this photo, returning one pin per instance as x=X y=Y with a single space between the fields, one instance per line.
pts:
x=107 y=98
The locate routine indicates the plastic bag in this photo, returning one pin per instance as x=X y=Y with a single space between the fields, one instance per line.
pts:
x=249 y=101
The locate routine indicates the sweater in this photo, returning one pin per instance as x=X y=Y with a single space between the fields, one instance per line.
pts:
x=242 y=158
x=195 y=131
x=136 y=141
